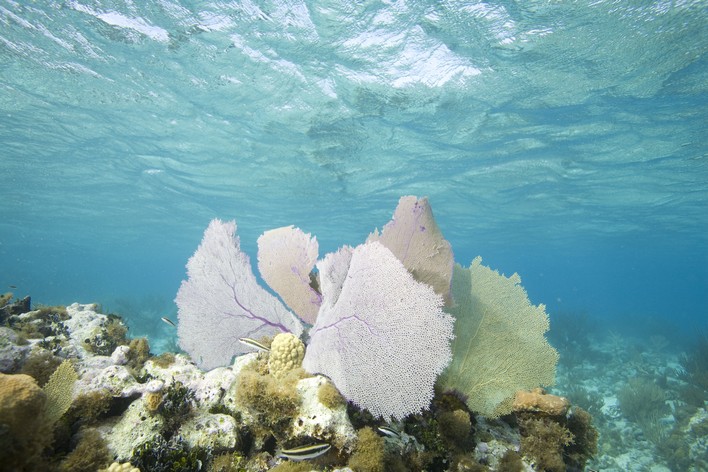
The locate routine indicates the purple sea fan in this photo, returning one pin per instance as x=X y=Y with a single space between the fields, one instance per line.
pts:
x=286 y=257
x=415 y=239
x=221 y=301
x=381 y=336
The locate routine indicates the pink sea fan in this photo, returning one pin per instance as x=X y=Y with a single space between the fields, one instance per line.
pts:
x=221 y=301
x=415 y=239
x=286 y=257
x=381 y=336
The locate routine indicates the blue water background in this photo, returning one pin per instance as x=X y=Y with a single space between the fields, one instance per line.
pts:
x=565 y=142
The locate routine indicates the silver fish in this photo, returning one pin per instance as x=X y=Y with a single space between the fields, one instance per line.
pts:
x=253 y=343
x=305 y=452
x=168 y=321
x=388 y=431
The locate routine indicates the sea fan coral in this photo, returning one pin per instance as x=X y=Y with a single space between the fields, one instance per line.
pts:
x=221 y=301
x=381 y=336
x=500 y=345
x=415 y=239
x=286 y=257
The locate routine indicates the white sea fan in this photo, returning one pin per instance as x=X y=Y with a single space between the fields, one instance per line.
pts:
x=333 y=272
x=381 y=336
x=286 y=257
x=221 y=301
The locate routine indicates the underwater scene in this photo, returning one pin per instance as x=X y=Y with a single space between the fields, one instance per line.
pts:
x=353 y=236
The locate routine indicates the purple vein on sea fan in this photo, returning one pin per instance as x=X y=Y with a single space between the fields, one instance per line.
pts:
x=381 y=336
x=221 y=301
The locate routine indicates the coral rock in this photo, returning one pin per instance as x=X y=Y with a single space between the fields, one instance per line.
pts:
x=84 y=321
x=208 y=388
x=286 y=354
x=317 y=420
x=136 y=427
x=120 y=355
x=12 y=356
x=116 y=379
x=212 y=431
x=538 y=401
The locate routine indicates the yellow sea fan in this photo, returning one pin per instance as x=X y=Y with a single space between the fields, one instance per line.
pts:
x=499 y=344
x=59 y=391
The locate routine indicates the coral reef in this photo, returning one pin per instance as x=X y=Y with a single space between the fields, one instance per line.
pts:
x=130 y=410
x=382 y=335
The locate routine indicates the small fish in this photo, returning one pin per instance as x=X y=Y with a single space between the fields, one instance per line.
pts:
x=253 y=343
x=168 y=321
x=387 y=431
x=13 y=286
x=305 y=452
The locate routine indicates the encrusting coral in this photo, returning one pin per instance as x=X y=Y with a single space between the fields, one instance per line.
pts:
x=537 y=400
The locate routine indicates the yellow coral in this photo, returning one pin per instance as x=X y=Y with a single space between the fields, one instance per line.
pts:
x=118 y=467
x=286 y=354
x=153 y=400
x=24 y=432
x=537 y=400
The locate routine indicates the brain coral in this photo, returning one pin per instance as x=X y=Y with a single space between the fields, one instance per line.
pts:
x=24 y=433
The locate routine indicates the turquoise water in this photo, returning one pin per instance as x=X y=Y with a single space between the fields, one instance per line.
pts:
x=562 y=141
x=565 y=141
